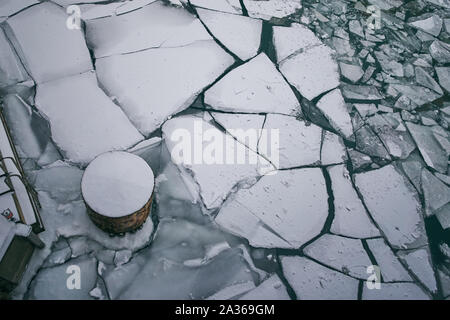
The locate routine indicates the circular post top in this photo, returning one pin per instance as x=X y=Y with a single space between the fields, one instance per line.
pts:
x=117 y=184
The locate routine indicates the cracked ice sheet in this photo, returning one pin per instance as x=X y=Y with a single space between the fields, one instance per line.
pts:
x=154 y=84
x=217 y=179
x=299 y=143
x=340 y=253
x=11 y=69
x=391 y=268
x=305 y=61
x=83 y=120
x=9 y=7
x=153 y=26
x=185 y=261
x=312 y=281
x=272 y=9
x=241 y=35
x=350 y=216
x=282 y=210
x=228 y=6
x=48 y=48
x=394 y=205
x=254 y=87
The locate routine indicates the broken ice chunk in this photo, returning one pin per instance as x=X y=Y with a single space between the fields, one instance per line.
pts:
x=83 y=120
x=350 y=216
x=298 y=143
x=340 y=253
x=282 y=210
x=355 y=92
x=241 y=35
x=217 y=162
x=148 y=85
x=417 y=94
x=429 y=146
x=435 y=193
x=394 y=205
x=443 y=74
x=430 y=23
x=389 y=65
x=351 y=72
x=291 y=40
x=153 y=26
x=393 y=134
x=395 y=291
x=56 y=284
x=419 y=262
x=391 y=268
x=48 y=48
x=271 y=9
x=360 y=161
x=312 y=281
x=440 y=51
x=270 y=289
x=254 y=87
x=312 y=72
x=424 y=79
x=335 y=110
x=333 y=149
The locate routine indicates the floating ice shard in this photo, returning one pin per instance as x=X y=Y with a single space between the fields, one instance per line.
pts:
x=312 y=71
x=436 y=194
x=343 y=254
x=148 y=85
x=424 y=79
x=299 y=143
x=283 y=210
x=352 y=72
x=391 y=268
x=214 y=175
x=395 y=291
x=241 y=35
x=272 y=9
x=355 y=92
x=419 y=262
x=440 y=51
x=429 y=146
x=311 y=281
x=270 y=289
x=350 y=216
x=254 y=87
x=153 y=26
x=430 y=23
x=443 y=74
x=83 y=120
x=289 y=41
x=394 y=205
x=393 y=134
x=48 y=48
x=333 y=106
